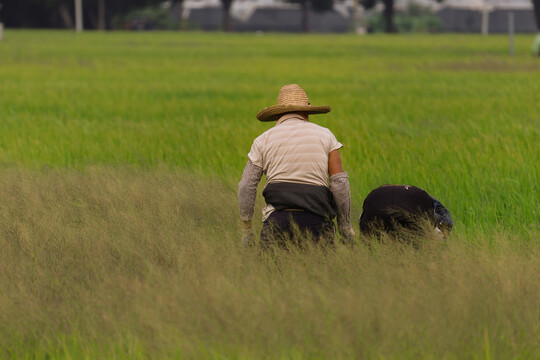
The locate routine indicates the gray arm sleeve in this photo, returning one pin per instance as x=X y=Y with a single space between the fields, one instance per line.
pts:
x=247 y=190
x=339 y=186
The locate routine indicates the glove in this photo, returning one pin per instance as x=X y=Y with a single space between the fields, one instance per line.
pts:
x=438 y=234
x=248 y=238
x=348 y=236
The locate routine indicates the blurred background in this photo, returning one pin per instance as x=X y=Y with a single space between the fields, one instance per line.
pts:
x=326 y=16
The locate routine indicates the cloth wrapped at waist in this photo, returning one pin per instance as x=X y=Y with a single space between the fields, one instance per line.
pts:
x=313 y=198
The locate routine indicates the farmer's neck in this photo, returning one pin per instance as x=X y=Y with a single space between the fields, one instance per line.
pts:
x=303 y=114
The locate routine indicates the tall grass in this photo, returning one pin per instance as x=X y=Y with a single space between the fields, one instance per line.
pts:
x=119 y=159
x=453 y=114
x=126 y=263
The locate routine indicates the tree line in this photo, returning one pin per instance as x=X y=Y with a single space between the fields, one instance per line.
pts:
x=99 y=14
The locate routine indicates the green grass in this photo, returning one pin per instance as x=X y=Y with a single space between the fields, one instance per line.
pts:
x=455 y=115
x=119 y=159
x=125 y=263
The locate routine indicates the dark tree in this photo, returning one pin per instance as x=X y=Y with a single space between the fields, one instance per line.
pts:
x=388 y=13
x=179 y=5
x=322 y=5
x=227 y=23
x=536 y=4
x=102 y=21
x=59 y=13
x=39 y=13
x=102 y=12
x=389 y=16
x=304 y=22
x=95 y=14
x=315 y=5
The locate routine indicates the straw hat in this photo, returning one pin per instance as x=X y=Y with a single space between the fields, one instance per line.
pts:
x=291 y=98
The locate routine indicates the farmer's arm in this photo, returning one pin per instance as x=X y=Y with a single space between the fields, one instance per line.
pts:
x=334 y=163
x=339 y=186
x=247 y=192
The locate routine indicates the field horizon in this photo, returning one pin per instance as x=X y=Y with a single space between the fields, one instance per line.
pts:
x=120 y=155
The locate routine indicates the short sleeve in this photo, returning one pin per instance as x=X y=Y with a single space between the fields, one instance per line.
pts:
x=255 y=154
x=333 y=143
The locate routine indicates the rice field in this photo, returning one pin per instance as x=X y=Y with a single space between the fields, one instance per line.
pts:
x=120 y=154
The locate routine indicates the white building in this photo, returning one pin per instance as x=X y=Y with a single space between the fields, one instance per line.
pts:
x=487 y=16
x=472 y=16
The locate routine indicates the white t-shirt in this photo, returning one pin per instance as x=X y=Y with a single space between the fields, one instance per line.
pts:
x=296 y=151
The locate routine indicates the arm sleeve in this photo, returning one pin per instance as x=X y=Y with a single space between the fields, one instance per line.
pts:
x=255 y=154
x=340 y=189
x=247 y=190
x=333 y=143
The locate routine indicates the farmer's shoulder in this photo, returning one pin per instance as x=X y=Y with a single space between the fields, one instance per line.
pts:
x=320 y=131
x=319 y=128
x=263 y=136
x=262 y=139
x=282 y=131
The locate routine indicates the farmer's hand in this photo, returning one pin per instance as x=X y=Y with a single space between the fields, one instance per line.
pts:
x=348 y=236
x=248 y=237
x=438 y=234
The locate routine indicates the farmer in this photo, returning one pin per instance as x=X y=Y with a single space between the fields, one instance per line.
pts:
x=305 y=184
x=391 y=208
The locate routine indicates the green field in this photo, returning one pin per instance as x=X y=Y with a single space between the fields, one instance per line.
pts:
x=120 y=154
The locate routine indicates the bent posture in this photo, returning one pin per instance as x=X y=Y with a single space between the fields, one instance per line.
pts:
x=306 y=186
x=391 y=208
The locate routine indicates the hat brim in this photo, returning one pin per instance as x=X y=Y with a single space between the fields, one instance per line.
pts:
x=272 y=113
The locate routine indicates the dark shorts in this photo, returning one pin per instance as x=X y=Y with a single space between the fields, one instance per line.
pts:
x=392 y=208
x=284 y=228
